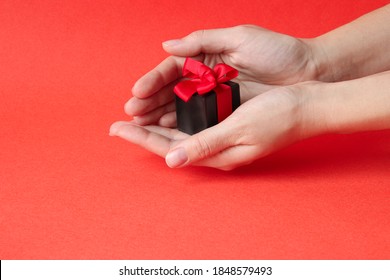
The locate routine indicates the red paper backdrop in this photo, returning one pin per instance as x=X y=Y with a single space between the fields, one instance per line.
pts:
x=69 y=191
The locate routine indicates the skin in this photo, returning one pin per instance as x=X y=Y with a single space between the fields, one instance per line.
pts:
x=291 y=89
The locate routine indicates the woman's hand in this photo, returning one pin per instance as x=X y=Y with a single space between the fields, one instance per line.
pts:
x=262 y=125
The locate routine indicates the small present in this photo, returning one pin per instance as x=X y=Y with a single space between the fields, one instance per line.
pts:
x=206 y=97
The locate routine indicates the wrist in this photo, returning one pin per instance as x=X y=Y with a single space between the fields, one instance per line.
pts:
x=344 y=107
x=325 y=108
x=313 y=109
x=354 y=50
x=320 y=66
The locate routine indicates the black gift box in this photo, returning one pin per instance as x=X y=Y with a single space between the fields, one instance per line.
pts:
x=200 y=112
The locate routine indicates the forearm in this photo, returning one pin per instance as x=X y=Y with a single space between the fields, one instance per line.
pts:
x=354 y=50
x=346 y=107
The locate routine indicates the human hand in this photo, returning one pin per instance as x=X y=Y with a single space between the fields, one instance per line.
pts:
x=271 y=121
x=265 y=59
x=257 y=128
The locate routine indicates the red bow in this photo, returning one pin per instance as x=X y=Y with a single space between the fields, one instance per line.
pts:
x=203 y=79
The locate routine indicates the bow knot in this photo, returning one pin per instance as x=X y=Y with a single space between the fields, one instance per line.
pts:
x=202 y=79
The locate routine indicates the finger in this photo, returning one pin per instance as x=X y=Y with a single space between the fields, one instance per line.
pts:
x=116 y=125
x=137 y=106
x=168 y=120
x=201 y=145
x=231 y=158
x=149 y=140
x=172 y=134
x=154 y=116
x=163 y=74
x=250 y=89
x=203 y=41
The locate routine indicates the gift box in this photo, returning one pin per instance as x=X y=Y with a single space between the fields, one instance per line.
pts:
x=206 y=96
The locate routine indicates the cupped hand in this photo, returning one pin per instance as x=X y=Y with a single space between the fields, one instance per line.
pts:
x=264 y=59
x=264 y=124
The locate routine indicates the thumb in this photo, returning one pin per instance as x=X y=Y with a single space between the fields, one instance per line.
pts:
x=201 y=41
x=200 y=146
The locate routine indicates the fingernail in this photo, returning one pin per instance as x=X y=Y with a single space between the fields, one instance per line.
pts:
x=114 y=129
x=171 y=43
x=176 y=158
x=111 y=133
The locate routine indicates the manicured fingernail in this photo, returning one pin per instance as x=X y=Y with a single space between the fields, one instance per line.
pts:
x=176 y=158
x=171 y=43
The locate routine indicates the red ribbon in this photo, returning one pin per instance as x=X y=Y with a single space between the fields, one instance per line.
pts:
x=203 y=79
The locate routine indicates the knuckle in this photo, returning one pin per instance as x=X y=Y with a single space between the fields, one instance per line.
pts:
x=202 y=147
x=197 y=35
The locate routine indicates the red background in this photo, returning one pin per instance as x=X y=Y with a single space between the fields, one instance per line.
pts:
x=69 y=191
